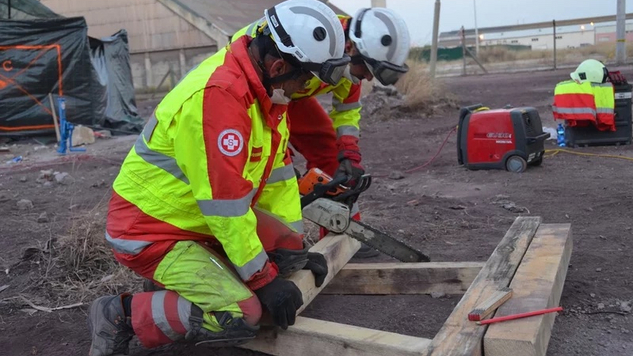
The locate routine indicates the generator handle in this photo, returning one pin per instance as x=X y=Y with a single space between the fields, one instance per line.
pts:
x=542 y=137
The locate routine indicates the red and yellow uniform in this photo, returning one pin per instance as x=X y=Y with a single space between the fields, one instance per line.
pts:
x=584 y=104
x=210 y=166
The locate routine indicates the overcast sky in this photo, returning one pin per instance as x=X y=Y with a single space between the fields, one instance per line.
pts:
x=455 y=13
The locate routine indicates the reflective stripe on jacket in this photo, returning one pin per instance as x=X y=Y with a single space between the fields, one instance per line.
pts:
x=589 y=102
x=215 y=146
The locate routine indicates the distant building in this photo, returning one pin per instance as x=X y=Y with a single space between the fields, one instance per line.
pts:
x=166 y=34
x=541 y=39
x=606 y=34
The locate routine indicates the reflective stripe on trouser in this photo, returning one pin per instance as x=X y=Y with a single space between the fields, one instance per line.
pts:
x=192 y=273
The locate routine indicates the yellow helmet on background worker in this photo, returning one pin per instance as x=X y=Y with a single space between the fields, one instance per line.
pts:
x=590 y=70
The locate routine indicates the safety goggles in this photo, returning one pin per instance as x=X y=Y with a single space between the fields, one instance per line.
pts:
x=385 y=72
x=330 y=71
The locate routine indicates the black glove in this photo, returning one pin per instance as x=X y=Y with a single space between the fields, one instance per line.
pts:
x=351 y=169
x=318 y=265
x=289 y=261
x=281 y=298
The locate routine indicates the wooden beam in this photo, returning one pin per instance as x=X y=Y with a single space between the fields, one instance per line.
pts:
x=338 y=250
x=537 y=284
x=458 y=336
x=404 y=278
x=312 y=337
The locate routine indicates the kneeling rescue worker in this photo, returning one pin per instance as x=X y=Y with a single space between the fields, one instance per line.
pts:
x=206 y=204
x=378 y=42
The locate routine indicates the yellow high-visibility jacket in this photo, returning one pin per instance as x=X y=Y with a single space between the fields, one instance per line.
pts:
x=586 y=102
x=215 y=147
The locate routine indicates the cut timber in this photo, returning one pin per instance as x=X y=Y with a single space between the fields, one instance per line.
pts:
x=311 y=337
x=537 y=284
x=338 y=250
x=489 y=306
x=404 y=278
x=459 y=336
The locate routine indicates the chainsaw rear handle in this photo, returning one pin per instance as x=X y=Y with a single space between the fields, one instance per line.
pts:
x=319 y=190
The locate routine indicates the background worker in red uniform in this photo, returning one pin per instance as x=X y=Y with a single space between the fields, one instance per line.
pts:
x=206 y=204
x=378 y=42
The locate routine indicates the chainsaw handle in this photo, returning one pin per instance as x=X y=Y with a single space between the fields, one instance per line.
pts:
x=336 y=181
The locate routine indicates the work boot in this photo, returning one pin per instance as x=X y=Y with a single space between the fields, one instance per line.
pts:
x=111 y=330
x=366 y=252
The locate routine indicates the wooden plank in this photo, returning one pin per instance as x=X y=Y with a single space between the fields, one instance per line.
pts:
x=490 y=306
x=53 y=111
x=312 y=337
x=404 y=278
x=458 y=336
x=537 y=284
x=338 y=250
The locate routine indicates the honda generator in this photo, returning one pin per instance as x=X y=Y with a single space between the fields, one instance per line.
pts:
x=509 y=138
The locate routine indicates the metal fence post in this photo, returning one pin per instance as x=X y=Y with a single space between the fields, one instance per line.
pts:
x=554 y=26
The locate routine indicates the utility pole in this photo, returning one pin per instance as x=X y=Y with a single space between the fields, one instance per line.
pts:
x=554 y=27
x=620 y=47
x=9 y=2
x=378 y=3
x=476 y=29
x=436 y=27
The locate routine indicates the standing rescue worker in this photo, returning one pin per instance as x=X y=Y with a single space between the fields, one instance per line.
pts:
x=378 y=42
x=206 y=204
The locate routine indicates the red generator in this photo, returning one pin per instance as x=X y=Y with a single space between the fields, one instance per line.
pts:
x=509 y=138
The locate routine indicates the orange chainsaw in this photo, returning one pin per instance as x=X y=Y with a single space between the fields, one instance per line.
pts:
x=327 y=202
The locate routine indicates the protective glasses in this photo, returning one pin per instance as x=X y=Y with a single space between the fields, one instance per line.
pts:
x=330 y=71
x=385 y=72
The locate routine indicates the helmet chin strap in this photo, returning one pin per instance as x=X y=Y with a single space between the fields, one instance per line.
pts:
x=268 y=81
x=357 y=59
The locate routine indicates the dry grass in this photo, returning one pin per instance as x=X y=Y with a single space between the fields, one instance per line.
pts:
x=420 y=90
x=85 y=265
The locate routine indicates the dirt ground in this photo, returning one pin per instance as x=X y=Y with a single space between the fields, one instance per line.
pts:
x=450 y=213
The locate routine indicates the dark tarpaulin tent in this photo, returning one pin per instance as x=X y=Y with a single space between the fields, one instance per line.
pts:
x=54 y=55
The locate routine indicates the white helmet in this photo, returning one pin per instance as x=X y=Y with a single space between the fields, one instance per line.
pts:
x=382 y=38
x=590 y=70
x=312 y=33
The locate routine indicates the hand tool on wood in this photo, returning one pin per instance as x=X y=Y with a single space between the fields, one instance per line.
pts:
x=520 y=315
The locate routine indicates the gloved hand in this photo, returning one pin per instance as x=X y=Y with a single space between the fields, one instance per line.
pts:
x=289 y=261
x=318 y=265
x=349 y=166
x=282 y=299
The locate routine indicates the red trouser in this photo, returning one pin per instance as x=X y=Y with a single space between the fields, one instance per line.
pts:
x=312 y=134
x=192 y=267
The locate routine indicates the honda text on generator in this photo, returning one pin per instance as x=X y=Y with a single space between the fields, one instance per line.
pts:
x=509 y=138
